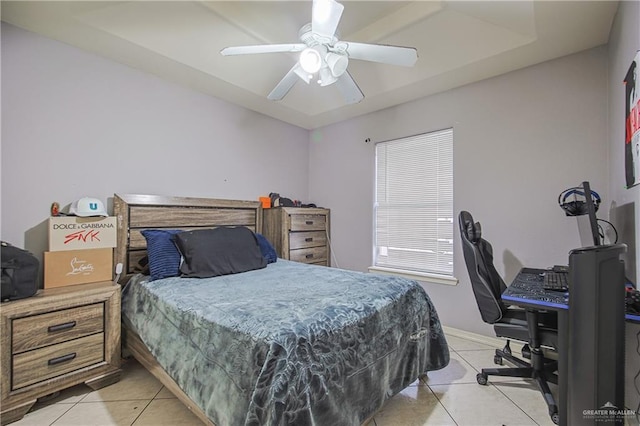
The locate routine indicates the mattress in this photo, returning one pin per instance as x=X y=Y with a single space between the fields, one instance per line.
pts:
x=288 y=344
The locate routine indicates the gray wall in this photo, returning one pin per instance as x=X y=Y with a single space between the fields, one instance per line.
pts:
x=624 y=204
x=519 y=140
x=74 y=125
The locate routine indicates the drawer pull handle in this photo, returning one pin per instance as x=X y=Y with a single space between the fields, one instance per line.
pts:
x=61 y=359
x=60 y=327
x=309 y=222
x=309 y=256
x=308 y=240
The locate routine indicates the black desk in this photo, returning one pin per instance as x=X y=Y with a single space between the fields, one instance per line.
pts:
x=526 y=291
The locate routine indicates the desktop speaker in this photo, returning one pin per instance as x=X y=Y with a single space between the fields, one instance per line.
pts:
x=572 y=201
x=596 y=336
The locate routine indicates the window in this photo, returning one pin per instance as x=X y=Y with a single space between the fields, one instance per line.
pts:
x=413 y=211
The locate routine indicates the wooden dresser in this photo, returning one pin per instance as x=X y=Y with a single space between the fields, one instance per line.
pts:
x=299 y=234
x=56 y=339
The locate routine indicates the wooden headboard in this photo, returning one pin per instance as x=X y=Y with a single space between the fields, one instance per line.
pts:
x=135 y=213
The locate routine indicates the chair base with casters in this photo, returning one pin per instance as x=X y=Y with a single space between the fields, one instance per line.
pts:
x=525 y=370
x=539 y=368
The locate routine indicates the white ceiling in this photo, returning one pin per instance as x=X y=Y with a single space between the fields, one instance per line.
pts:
x=458 y=42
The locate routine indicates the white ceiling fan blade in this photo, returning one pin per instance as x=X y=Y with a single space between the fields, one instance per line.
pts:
x=325 y=16
x=287 y=82
x=263 y=48
x=393 y=55
x=349 y=89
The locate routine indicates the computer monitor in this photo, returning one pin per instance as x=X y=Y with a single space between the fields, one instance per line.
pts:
x=591 y=212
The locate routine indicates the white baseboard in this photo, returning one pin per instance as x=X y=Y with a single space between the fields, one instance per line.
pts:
x=474 y=337
x=496 y=342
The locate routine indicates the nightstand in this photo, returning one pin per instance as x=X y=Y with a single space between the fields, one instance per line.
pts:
x=56 y=339
x=298 y=233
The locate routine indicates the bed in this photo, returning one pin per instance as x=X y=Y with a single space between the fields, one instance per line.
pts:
x=286 y=343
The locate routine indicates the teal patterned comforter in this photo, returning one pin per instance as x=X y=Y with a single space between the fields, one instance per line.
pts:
x=291 y=344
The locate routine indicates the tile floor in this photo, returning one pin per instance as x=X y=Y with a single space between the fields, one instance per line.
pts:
x=450 y=396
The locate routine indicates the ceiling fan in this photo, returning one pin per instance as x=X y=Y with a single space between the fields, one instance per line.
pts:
x=325 y=58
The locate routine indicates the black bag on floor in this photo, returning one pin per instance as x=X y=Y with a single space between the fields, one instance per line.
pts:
x=19 y=273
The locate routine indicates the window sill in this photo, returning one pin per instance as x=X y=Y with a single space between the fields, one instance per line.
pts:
x=420 y=276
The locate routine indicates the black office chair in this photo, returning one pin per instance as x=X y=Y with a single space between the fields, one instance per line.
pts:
x=535 y=328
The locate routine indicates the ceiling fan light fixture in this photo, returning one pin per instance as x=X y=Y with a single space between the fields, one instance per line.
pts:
x=304 y=76
x=326 y=77
x=337 y=63
x=324 y=58
x=310 y=60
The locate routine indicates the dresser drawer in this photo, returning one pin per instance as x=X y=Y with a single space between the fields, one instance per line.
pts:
x=298 y=240
x=55 y=327
x=308 y=222
x=41 y=364
x=309 y=255
x=299 y=234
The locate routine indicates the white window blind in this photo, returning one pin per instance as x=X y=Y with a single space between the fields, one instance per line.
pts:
x=414 y=204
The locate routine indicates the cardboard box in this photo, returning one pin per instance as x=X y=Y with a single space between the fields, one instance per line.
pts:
x=69 y=267
x=80 y=233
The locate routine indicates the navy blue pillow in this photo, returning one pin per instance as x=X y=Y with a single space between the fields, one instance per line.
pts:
x=268 y=252
x=220 y=251
x=164 y=257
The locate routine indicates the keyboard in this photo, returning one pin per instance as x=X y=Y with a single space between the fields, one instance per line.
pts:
x=556 y=281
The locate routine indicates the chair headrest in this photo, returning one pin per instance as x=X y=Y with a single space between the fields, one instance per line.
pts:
x=472 y=230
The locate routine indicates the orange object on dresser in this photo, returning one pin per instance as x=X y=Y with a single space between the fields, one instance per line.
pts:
x=266 y=202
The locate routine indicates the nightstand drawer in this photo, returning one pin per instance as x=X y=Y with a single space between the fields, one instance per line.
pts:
x=298 y=240
x=309 y=255
x=56 y=339
x=308 y=222
x=42 y=364
x=55 y=327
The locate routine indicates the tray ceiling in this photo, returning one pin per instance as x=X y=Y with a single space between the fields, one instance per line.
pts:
x=458 y=42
